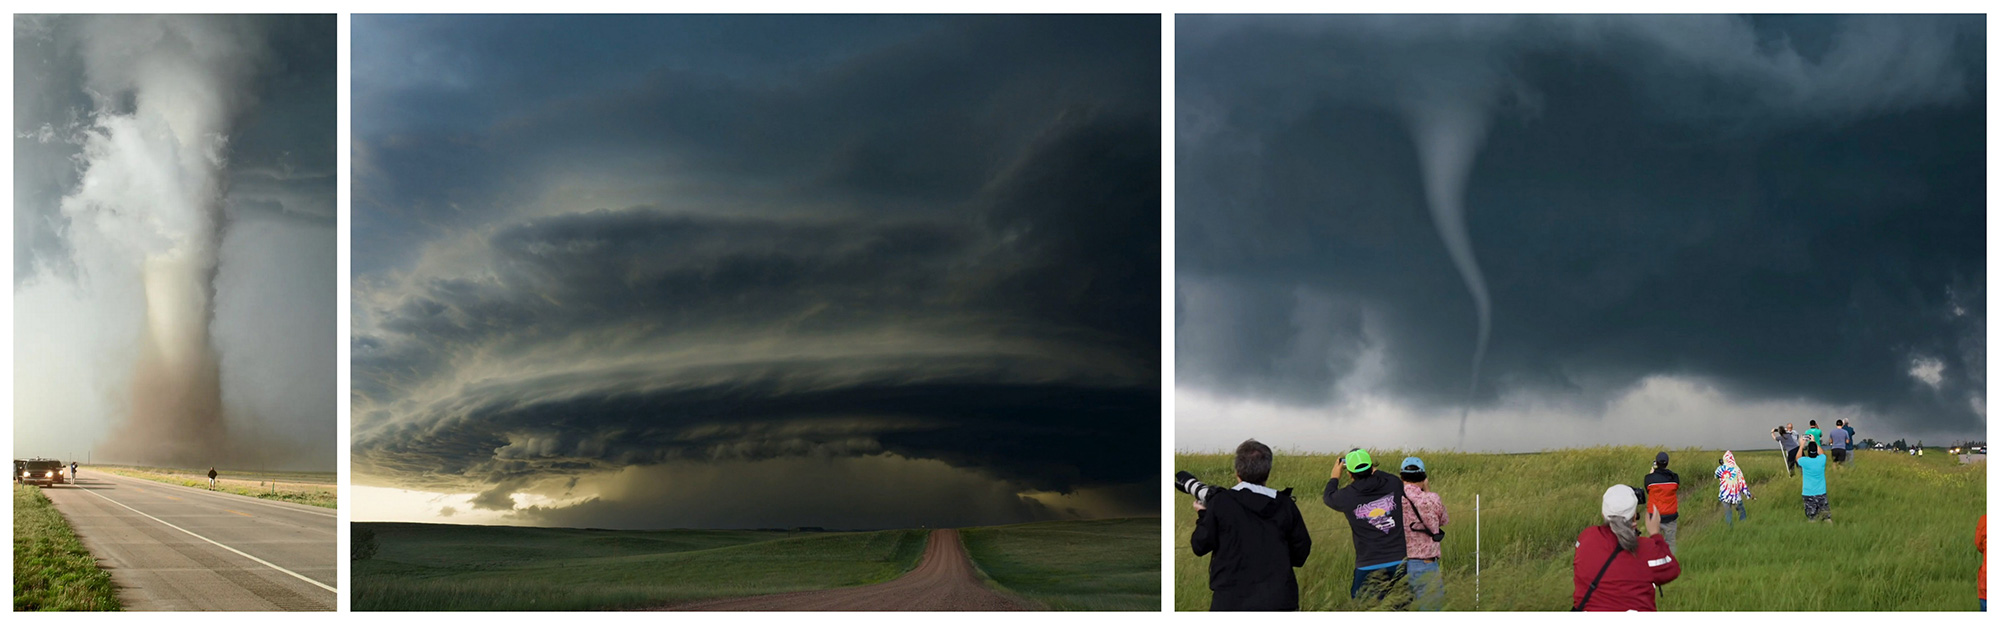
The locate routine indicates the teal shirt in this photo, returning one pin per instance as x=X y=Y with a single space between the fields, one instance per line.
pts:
x=1814 y=470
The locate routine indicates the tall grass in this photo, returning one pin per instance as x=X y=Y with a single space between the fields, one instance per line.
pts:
x=1110 y=564
x=1901 y=539
x=52 y=570
x=446 y=567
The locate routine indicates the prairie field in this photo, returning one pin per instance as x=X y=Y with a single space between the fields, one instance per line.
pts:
x=1901 y=539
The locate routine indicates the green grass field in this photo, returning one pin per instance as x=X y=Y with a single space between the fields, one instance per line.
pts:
x=312 y=489
x=52 y=571
x=1111 y=564
x=462 y=567
x=1902 y=538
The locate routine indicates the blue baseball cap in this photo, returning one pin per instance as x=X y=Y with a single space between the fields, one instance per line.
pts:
x=1413 y=461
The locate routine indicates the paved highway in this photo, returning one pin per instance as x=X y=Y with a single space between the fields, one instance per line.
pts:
x=176 y=548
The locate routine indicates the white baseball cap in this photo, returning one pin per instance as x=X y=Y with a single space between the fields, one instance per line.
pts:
x=1620 y=501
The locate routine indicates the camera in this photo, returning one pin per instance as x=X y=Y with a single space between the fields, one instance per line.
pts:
x=1186 y=483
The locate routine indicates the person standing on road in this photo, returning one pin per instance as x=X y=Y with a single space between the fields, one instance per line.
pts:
x=1789 y=441
x=1615 y=568
x=1422 y=534
x=1812 y=484
x=211 y=477
x=1663 y=492
x=1256 y=534
x=1731 y=489
x=1375 y=519
x=72 y=471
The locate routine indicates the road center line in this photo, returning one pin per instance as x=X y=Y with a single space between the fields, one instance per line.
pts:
x=235 y=512
x=212 y=542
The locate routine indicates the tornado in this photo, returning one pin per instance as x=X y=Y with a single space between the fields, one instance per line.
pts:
x=167 y=92
x=1447 y=137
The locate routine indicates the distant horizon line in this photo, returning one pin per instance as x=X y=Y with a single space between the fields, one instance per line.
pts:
x=799 y=529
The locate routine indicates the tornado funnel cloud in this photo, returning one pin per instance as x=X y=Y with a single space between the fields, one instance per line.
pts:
x=1447 y=139
x=169 y=92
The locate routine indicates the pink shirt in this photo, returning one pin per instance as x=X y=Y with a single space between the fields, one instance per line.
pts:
x=1431 y=515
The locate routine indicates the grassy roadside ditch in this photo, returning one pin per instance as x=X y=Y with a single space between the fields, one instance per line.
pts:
x=52 y=570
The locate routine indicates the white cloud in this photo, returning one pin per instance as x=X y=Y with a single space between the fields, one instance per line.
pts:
x=1928 y=370
x=1662 y=410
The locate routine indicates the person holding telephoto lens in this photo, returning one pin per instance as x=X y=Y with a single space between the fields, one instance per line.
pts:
x=1371 y=504
x=1255 y=532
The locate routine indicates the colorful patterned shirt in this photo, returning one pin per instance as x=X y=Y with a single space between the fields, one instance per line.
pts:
x=1417 y=540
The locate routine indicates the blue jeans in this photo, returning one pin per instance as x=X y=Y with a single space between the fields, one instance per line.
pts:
x=1426 y=585
x=1731 y=518
x=1376 y=582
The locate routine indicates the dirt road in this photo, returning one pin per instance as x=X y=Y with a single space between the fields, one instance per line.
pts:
x=171 y=547
x=944 y=581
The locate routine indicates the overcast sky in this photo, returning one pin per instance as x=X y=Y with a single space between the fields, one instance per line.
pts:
x=1686 y=230
x=769 y=271
x=205 y=143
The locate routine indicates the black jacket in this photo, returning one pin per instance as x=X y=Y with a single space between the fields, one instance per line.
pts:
x=1374 y=511
x=1256 y=540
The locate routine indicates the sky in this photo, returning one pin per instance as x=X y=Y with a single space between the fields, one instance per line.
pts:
x=174 y=244
x=1516 y=233
x=755 y=271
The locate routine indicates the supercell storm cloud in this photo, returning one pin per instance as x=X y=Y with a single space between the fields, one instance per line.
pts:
x=1668 y=229
x=756 y=271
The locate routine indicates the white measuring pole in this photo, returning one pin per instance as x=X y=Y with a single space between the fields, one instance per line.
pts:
x=1475 y=552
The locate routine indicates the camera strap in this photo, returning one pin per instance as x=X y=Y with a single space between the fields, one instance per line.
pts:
x=1419 y=514
x=1593 y=582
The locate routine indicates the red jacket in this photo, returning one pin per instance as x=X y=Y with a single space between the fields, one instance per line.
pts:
x=1628 y=583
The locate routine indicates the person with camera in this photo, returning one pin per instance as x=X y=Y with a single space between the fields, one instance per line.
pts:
x=1663 y=488
x=1255 y=532
x=1371 y=504
x=1422 y=535
x=1812 y=484
x=1789 y=442
x=1616 y=567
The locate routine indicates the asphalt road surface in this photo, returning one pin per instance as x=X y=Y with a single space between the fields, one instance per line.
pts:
x=944 y=581
x=172 y=547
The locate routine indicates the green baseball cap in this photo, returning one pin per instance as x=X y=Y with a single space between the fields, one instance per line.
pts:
x=1358 y=460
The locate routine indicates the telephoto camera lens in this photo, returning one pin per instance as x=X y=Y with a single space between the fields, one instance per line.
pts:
x=1187 y=483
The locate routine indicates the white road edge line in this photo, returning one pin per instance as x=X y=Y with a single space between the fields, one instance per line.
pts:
x=305 y=509
x=231 y=549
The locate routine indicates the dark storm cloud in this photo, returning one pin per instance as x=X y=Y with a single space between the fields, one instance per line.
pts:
x=281 y=157
x=932 y=245
x=1790 y=208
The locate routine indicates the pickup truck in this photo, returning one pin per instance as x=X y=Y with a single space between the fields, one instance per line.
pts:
x=42 y=472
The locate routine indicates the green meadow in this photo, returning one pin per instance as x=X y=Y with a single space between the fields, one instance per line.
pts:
x=1111 y=564
x=1076 y=565
x=1902 y=538
x=468 y=567
x=52 y=570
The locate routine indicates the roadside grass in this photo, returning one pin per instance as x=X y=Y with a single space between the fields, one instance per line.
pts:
x=1110 y=564
x=460 y=567
x=52 y=570
x=312 y=489
x=1901 y=539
